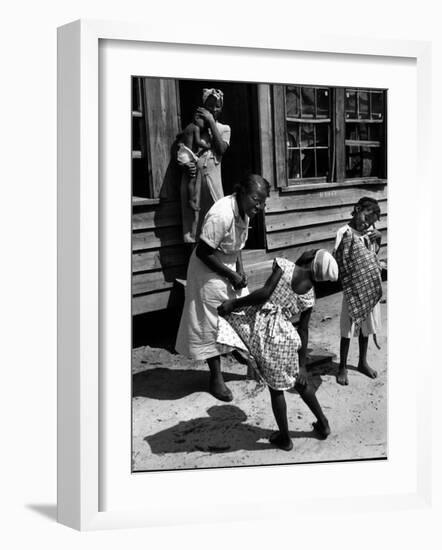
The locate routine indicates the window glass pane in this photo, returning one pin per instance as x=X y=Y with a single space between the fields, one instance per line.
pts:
x=350 y=104
x=370 y=161
x=307 y=135
x=307 y=102
x=363 y=131
x=322 y=162
x=322 y=103
x=351 y=131
x=292 y=102
x=308 y=163
x=377 y=104
x=353 y=162
x=292 y=134
x=374 y=133
x=364 y=107
x=293 y=164
x=367 y=161
x=363 y=162
x=321 y=135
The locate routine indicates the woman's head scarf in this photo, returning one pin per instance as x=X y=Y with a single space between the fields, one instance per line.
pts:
x=217 y=94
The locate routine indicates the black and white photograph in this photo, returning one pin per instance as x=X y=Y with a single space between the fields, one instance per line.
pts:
x=259 y=273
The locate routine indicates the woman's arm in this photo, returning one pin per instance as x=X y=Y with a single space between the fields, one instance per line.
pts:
x=302 y=353
x=257 y=297
x=219 y=144
x=239 y=264
x=207 y=255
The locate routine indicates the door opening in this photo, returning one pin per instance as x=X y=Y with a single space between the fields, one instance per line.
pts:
x=240 y=112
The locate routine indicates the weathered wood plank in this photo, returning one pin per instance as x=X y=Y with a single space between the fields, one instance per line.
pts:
x=302 y=200
x=157 y=280
x=168 y=256
x=339 y=123
x=266 y=132
x=279 y=124
x=153 y=302
x=314 y=216
x=161 y=215
x=284 y=239
x=162 y=127
x=163 y=236
x=254 y=255
x=257 y=272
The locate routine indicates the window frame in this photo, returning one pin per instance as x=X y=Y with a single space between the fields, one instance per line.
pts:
x=337 y=144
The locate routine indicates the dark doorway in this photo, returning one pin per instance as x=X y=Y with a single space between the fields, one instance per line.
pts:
x=240 y=112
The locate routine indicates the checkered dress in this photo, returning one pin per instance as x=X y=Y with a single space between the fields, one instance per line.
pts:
x=360 y=276
x=266 y=332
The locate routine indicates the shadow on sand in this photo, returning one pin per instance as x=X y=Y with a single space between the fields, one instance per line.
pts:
x=163 y=383
x=223 y=431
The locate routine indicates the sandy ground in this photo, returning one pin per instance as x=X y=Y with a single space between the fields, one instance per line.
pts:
x=177 y=424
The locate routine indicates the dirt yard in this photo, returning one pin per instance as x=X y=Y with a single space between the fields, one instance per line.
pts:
x=178 y=425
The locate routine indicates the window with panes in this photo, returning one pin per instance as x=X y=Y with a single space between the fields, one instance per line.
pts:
x=331 y=134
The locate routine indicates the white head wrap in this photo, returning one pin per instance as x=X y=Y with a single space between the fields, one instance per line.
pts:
x=324 y=267
x=217 y=94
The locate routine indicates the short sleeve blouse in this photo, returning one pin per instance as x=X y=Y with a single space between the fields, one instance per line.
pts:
x=223 y=228
x=224 y=131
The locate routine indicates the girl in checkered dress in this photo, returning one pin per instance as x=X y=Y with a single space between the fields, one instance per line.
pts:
x=356 y=246
x=260 y=324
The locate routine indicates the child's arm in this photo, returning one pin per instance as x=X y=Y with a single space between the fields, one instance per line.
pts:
x=197 y=140
x=302 y=353
x=188 y=134
x=259 y=296
x=375 y=236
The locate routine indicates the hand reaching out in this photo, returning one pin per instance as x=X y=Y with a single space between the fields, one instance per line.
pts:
x=225 y=308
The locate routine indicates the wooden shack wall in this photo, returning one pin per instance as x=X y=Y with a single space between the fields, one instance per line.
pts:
x=295 y=220
x=301 y=220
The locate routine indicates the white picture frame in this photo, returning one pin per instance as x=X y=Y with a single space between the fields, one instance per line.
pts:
x=80 y=361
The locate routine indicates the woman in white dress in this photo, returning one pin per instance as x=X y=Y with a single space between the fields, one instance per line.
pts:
x=216 y=274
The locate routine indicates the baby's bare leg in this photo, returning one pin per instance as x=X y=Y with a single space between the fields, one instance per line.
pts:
x=363 y=365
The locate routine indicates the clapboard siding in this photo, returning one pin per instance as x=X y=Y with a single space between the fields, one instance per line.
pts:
x=159 y=279
x=296 y=218
x=333 y=196
x=167 y=256
x=156 y=238
x=165 y=214
x=314 y=216
x=310 y=234
x=154 y=301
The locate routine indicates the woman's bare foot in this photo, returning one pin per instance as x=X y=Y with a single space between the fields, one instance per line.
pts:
x=342 y=376
x=322 y=429
x=364 y=368
x=284 y=443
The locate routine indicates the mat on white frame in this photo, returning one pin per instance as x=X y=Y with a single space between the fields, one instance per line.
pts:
x=96 y=489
